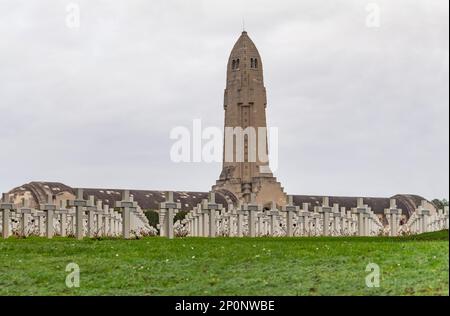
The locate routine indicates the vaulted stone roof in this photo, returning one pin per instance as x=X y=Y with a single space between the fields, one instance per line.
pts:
x=149 y=200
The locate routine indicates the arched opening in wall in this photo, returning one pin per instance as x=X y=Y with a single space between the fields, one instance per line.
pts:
x=237 y=64
x=233 y=64
x=256 y=63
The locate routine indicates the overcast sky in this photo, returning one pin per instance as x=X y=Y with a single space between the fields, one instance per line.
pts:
x=361 y=111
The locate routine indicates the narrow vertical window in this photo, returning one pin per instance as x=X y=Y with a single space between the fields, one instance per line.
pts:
x=256 y=63
x=237 y=64
x=233 y=64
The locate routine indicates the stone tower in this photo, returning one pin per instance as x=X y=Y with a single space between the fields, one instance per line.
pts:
x=245 y=110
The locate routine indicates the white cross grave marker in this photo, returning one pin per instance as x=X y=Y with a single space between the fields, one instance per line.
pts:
x=49 y=209
x=168 y=210
x=6 y=207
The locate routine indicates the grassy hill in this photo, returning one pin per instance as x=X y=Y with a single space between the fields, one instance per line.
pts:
x=416 y=265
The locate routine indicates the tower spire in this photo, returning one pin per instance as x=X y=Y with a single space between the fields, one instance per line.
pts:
x=245 y=169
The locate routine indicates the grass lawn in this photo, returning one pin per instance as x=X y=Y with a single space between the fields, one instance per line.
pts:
x=226 y=266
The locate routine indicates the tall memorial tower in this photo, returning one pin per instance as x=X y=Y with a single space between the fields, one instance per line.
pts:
x=246 y=171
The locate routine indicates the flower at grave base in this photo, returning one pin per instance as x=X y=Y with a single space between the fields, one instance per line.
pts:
x=167 y=260
x=193 y=257
x=117 y=254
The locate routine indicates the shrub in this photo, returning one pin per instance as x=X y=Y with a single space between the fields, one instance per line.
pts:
x=153 y=217
x=180 y=216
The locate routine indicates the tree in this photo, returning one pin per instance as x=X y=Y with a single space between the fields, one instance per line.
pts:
x=153 y=217
x=180 y=216
x=440 y=204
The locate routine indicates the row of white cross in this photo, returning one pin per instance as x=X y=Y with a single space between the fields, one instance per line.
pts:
x=423 y=221
x=89 y=218
x=79 y=218
x=210 y=219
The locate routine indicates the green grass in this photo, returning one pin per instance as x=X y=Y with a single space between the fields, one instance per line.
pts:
x=226 y=266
